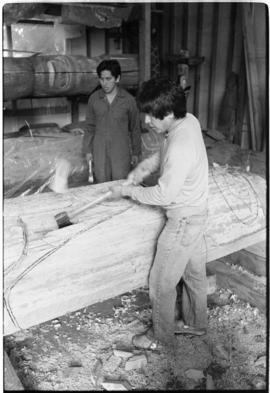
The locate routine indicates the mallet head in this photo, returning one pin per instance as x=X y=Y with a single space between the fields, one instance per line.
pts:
x=62 y=220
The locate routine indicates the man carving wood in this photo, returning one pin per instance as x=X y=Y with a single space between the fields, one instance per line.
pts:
x=182 y=190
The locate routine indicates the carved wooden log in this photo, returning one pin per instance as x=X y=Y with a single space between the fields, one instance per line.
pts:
x=61 y=75
x=109 y=250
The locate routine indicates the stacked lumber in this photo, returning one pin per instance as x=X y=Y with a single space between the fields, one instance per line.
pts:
x=109 y=249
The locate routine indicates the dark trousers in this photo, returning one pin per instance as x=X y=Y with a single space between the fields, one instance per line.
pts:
x=112 y=167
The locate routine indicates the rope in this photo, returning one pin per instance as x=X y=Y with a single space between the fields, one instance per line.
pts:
x=41 y=259
x=250 y=219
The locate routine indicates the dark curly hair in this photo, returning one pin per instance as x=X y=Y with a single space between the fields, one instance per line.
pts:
x=160 y=97
x=109 y=65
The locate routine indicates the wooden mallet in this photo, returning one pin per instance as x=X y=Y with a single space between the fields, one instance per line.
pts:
x=63 y=219
x=59 y=184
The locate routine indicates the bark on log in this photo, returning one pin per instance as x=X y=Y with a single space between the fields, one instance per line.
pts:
x=109 y=250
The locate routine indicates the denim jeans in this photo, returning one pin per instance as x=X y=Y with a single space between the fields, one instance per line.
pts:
x=180 y=254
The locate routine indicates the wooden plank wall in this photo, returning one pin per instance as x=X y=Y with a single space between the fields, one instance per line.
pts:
x=213 y=30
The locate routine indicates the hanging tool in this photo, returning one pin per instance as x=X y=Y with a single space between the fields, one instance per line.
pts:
x=63 y=219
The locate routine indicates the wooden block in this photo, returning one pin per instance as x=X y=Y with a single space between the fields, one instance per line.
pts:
x=112 y=364
x=136 y=362
x=96 y=373
x=250 y=261
x=245 y=286
x=210 y=383
x=11 y=379
x=211 y=284
x=115 y=385
x=122 y=354
x=217 y=135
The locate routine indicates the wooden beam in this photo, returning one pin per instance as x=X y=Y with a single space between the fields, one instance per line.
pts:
x=110 y=248
x=145 y=44
x=245 y=286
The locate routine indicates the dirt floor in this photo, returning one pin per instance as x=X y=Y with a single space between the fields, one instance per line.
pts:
x=87 y=349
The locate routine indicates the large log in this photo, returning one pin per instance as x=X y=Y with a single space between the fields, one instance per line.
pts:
x=61 y=75
x=109 y=250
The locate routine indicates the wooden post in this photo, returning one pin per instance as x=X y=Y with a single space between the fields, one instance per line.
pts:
x=184 y=39
x=229 y=67
x=9 y=40
x=253 y=89
x=210 y=121
x=74 y=109
x=198 y=53
x=166 y=39
x=145 y=43
x=88 y=41
x=241 y=102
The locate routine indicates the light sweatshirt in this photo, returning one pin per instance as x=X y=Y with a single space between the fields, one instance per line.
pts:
x=183 y=163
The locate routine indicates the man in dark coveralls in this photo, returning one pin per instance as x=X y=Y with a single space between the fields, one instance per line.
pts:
x=112 y=131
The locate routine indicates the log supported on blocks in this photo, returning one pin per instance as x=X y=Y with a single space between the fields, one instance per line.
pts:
x=109 y=250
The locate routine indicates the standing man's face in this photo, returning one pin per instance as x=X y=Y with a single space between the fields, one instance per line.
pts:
x=108 y=81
